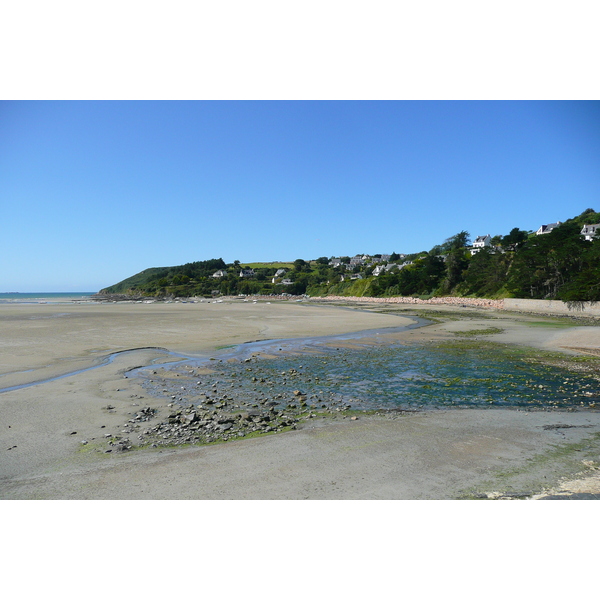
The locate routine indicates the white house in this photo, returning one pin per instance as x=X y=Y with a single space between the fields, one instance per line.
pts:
x=547 y=228
x=247 y=273
x=482 y=241
x=219 y=274
x=381 y=268
x=279 y=273
x=589 y=231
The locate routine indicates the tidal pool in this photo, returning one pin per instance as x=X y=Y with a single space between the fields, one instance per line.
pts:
x=392 y=377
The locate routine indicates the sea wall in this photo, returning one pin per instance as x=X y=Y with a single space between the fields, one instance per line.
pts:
x=553 y=307
x=548 y=307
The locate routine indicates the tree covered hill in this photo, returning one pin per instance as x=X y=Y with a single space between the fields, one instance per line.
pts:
x=557 y=265
x=157 y=280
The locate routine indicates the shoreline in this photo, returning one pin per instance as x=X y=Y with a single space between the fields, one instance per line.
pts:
x=44 y=456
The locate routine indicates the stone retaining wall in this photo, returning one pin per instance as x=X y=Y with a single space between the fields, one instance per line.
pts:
x=474 y=302
x=552 y=307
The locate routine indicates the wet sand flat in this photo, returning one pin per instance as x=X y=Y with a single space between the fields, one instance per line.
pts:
x=50 y=432
x=39 y=341
x=439 y=455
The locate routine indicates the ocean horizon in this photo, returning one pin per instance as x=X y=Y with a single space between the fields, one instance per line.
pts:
x=42 y=297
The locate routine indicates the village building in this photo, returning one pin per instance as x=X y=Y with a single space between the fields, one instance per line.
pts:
x=482 y=241
x=278 y=274
x=547 y=228
x=387 y=268
x=410 y=262
x=589 y=231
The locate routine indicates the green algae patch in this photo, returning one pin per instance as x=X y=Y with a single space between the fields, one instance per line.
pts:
x=476 y=332
x=89 y=448
x=455 y=373
x=550 y=324
x=561 y=461
x=333 y=378
x=453 y=315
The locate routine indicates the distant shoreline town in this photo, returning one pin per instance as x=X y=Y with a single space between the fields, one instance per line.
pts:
x=558 y=261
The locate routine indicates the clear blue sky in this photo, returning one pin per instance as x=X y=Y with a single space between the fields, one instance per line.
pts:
x=93 y=192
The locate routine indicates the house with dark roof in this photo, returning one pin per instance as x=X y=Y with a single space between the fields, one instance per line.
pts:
x=278 y=274
x=482 y=241
x=547 y=228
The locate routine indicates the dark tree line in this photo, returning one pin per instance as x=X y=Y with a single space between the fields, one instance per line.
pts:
x=559 y=265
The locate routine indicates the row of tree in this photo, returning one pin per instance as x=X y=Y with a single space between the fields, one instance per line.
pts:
x=558 y=265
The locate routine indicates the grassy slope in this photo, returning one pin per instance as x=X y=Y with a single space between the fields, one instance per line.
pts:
x=134 y=281
x=268 y=265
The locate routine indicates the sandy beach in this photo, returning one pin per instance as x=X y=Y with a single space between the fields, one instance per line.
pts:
x=51 y=432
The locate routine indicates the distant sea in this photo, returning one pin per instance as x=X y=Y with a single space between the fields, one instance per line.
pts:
x=43 y=297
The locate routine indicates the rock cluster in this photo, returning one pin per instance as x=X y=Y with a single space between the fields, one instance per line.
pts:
x=200 y=425
x=221 y=407
x=203 y=425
